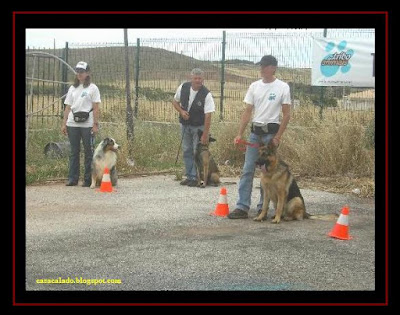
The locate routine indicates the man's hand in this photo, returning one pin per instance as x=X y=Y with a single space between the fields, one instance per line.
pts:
x=185 y=114
x=237 y=139
x=204 y=139
x=276 y=140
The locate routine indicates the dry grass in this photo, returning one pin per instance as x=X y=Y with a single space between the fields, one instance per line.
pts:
x=339 y=184
x=327 y=150
x=326 y=154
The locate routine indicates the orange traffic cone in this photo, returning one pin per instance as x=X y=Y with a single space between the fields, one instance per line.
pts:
x=222 y=209
x=341 y=228
x=106 y=181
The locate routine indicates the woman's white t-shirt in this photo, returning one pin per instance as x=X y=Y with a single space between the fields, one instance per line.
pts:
x=267 y=99
x=81 y=100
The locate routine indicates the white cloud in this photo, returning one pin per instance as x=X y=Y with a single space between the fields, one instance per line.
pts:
x=47 y=38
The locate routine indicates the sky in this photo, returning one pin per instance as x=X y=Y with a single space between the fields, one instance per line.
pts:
x=292 y=47
x=47 y=38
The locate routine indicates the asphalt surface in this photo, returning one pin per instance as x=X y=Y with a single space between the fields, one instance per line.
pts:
x=153 y=234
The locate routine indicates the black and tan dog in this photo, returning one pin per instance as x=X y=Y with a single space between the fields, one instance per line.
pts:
x=207 y=169
x=279 y=186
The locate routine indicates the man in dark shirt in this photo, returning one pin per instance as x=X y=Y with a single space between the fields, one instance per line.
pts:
x=195 y=105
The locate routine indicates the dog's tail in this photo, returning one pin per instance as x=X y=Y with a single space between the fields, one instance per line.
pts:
x=323 y=217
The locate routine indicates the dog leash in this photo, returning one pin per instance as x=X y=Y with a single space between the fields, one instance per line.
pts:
x=243 y=148
x=180 y=144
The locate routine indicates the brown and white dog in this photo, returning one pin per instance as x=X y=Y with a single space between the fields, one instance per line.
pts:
x=104 y=156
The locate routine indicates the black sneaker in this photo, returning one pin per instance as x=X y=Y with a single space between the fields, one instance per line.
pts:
x=71 y=184
x=185 y=182
x=192 y=183
x=238 y=214
x=86 y=184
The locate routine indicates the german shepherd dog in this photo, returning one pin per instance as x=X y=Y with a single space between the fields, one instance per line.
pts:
x=105 y=155
x=207 y=169
x=279 y=186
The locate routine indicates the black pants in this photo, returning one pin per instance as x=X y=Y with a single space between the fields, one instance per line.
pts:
x=75 y=134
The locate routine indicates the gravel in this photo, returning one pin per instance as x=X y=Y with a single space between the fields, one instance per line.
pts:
x=154 y=234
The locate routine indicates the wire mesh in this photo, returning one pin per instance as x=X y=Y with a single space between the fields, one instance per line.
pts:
x=166 y=63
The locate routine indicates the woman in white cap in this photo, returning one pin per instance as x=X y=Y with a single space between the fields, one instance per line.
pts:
x=81 y=122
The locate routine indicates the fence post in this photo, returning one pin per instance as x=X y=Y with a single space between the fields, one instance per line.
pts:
x=321 y=101
x=129 y=118
x=64 y=75
x=137 y=64
x=221 y=116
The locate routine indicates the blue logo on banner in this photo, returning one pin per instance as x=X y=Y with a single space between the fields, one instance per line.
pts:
x=336 y=60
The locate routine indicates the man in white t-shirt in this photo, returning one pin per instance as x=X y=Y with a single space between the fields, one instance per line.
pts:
x=83 y=97
x=265 y=98
x=195 y=105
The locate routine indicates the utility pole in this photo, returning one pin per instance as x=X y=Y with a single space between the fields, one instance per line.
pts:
x=221 y=113
x=129 y=113
x=321 y=100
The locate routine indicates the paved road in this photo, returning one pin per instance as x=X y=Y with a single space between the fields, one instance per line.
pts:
x=153 y=234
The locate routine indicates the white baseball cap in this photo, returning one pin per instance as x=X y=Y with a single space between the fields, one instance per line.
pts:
x=82 y=65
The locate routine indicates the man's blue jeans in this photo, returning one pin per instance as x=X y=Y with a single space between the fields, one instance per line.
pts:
x=75 y=134
x=190 y=138
x=246 y=179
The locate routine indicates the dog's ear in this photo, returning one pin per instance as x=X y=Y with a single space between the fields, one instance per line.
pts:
x=105 y=142
x=211 y=139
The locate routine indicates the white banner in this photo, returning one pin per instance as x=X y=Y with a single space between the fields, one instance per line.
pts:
x=343 y=62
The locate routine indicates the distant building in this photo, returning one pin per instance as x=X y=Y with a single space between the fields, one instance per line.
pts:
x=363 y=100
x=295 y=103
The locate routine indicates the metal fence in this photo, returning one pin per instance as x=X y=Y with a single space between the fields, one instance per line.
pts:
x=157 y=66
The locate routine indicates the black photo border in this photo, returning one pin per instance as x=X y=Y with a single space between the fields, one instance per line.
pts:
x=379 y=20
